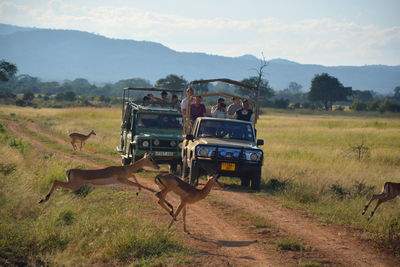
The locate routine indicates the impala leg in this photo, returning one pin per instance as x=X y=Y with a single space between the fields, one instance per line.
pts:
x=367 y=205
x=184 y=220
x=73 y=145
x=136 y=181
x=181 y=206
x=127 y=182
x=383 y=198
x=380 y=201
x=58 y=184
x=80 y=149
x=162 y=201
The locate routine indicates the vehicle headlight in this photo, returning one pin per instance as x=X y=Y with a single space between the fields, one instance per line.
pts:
x=203 y=151
x=172 y=143
x=145 y=143
x=156 y=142
x=180 y=145
x=253 y=156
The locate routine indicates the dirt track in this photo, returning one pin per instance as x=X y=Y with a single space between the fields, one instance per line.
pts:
x=224 y=238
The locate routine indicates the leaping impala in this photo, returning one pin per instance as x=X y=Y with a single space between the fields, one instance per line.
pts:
x=187 y=193
x=390 y=191
x=104 y=177
x=75 y=137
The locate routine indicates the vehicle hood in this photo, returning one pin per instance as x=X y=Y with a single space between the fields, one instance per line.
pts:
x=227 y=143
x=164 y=136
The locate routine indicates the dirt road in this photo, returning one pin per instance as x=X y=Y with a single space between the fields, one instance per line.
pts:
x=223 y=233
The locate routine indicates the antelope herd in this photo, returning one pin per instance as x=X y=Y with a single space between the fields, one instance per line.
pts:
x=167 y=182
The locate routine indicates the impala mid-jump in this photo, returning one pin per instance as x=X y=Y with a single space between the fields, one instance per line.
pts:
x=104 y=177
x=188 y=194
x=390 y=191
x=77 y=137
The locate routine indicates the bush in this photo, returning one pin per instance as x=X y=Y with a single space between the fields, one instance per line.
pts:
x=66 y=96
x=274 y=186
x=389 y=105
x=288 y=244
x=359 y=106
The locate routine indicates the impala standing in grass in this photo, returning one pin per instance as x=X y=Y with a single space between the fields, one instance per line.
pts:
x=104 y=177
x=75 y=137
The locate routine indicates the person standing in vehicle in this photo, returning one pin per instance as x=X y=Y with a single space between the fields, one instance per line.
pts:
x=245 y=113
x=197 y=109
x=185 y=101
x=219 y=111
x=232 y=108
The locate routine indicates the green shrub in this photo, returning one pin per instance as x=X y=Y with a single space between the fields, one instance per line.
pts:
x=288 y=244
x=310 y=264
x=275 y=186
x=7 y=168
x=84 y=190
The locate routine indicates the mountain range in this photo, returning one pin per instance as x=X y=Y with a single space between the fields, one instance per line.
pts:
x=56 y=55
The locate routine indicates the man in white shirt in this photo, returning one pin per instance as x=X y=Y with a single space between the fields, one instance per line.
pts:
x=232 y=108
x=185 y=102
x=219 y=111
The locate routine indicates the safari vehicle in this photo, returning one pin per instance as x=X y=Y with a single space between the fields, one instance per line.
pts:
x=153 y=128
x=225 y=146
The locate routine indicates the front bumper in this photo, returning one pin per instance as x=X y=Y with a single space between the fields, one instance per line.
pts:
x=242 y=168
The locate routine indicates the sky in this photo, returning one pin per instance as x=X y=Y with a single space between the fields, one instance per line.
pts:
x=326 y=32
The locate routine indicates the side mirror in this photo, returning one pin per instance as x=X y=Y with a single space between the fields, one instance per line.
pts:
x=190 y=137
x=260 y=142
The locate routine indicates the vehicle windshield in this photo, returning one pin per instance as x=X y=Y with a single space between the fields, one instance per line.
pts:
x=163 y=121
x=226 y=130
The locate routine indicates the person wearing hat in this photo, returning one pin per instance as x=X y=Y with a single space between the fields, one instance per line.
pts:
x=232 y=108
x=245 y=113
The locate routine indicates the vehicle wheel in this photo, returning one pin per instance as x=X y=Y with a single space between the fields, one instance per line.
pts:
x=126 y=161
x=185 y=171
x=173 y=167
x=245 y=181
x=194 y=175
x=256 y=180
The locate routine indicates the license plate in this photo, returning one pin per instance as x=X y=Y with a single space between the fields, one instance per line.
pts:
x=163 y=153
x=225 y=166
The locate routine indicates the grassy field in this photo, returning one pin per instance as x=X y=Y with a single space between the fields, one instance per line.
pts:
x=328 y=163
x=104 y=228
x=331 y=163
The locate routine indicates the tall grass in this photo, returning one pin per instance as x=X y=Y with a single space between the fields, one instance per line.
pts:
x=105 y=227
x=315 y=157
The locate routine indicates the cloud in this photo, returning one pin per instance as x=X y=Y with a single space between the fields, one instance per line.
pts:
x=323 y=41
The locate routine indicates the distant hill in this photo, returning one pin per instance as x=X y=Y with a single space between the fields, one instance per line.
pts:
x=68 y=54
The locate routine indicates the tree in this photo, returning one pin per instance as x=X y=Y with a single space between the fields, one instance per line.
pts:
x=66 y=96
x=327 y=89
x=396 y=95
x=7 y=70
x=201 y=88
x=293 y=88
x=172 y=81
x=28 y=96
x=266 y=91
x=362 y=95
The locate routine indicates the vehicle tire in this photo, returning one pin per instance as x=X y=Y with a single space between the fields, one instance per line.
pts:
x=173 y=167
x=185 y=171
x=126 y=161
x=245 y=181
x=194 y=174
x=256 y=180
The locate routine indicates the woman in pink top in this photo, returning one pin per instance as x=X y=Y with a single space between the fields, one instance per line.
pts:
x=197 y=109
